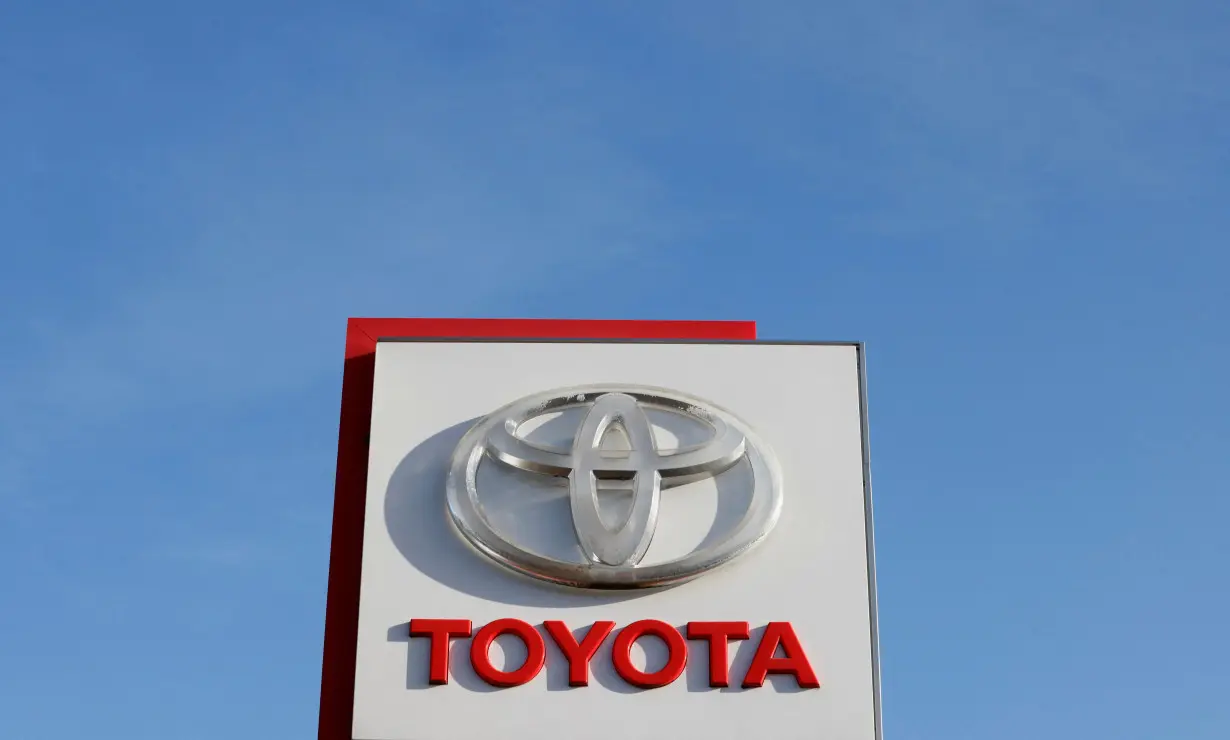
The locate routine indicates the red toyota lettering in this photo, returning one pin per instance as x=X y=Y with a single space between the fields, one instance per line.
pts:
x=535 y=653
x=578 y=654
x=676 y=654
x=793 y=662
x=439 y=630
x=718 y=634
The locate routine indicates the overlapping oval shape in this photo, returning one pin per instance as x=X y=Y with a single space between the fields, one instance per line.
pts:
x=613 y=553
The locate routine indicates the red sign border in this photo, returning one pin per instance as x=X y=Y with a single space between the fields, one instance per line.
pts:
x=350 y=489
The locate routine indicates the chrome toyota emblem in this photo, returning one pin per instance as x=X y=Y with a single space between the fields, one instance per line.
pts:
x=610 y=557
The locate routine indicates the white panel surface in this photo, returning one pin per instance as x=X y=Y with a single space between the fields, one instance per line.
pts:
x=812 y=571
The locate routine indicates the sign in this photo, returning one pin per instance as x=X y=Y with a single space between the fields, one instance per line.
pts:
x=640 y=536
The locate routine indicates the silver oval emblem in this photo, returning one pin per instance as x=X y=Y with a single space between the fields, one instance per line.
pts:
x=611 y=554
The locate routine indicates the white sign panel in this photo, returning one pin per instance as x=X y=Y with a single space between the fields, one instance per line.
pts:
x=613 y=540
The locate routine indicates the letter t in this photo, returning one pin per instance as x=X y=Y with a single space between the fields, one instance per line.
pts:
x=718 y=634
x=439 y=631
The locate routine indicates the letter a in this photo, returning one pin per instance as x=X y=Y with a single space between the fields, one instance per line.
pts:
x=794 y=660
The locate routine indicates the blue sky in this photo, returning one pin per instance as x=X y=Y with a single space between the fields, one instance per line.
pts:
x=1021 y=208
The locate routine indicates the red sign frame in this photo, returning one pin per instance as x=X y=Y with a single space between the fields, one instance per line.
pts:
x=350 y=490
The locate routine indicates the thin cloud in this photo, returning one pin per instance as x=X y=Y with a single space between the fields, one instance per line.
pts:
x=407 y=189
x=974 y=123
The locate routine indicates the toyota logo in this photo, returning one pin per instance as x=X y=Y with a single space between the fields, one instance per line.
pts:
x=610 y=556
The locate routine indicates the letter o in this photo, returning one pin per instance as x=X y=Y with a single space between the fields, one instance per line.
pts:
x=535 y=653
x=676 y=654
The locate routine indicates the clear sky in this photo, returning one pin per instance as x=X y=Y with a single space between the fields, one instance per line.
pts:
x=1022 y=208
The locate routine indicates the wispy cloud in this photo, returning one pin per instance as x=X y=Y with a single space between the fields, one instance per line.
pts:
x=233 y=554
x=978 y=123
x=396 y=184
x=210 y=255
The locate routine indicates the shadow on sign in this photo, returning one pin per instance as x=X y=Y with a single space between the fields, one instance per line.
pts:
x=416 y=515
x=518 y=505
